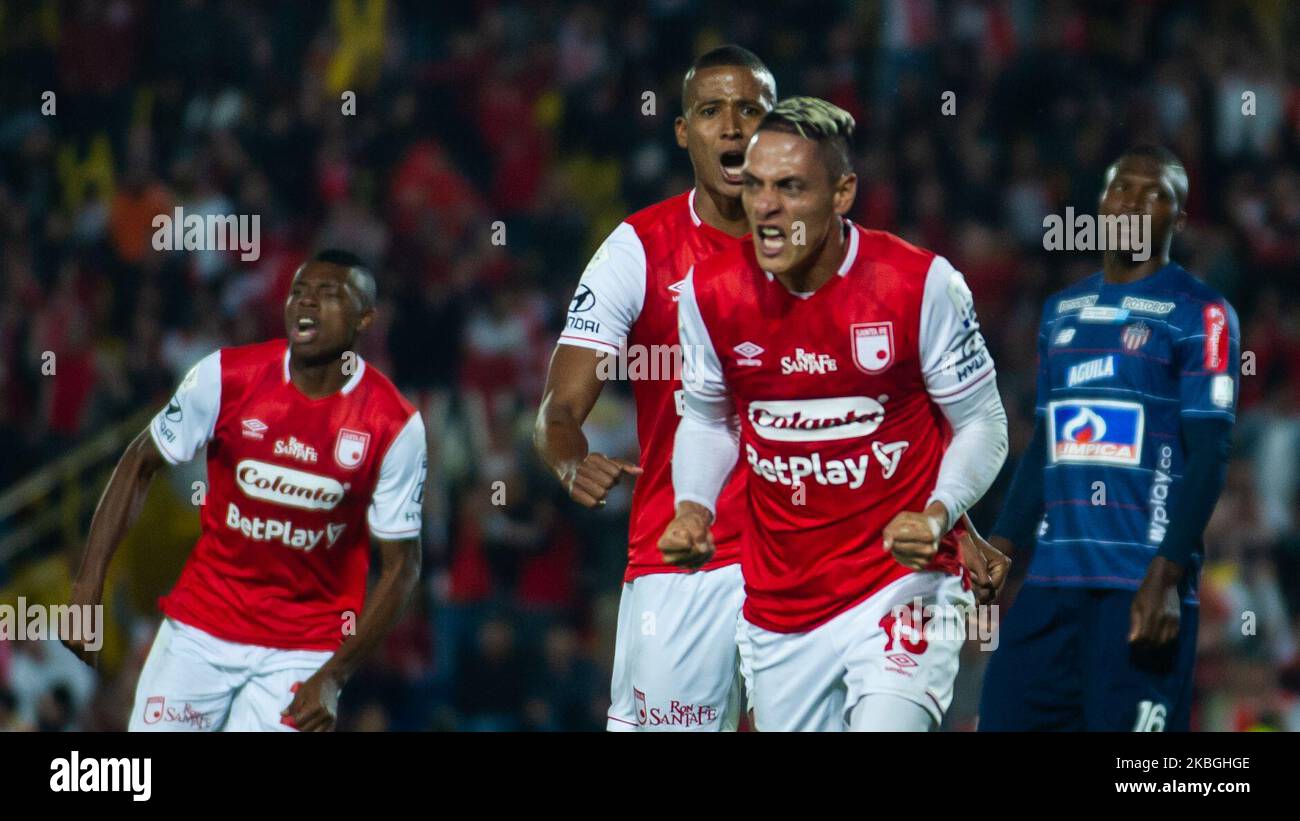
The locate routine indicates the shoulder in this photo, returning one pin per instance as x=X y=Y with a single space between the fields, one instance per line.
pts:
x=1203 y=309
x=1191 y=306
x=912 y=279
x=904 y=273
x=242 y=366
x=725 y=271
x=383 y=398
x=621 y=249
x=671 y=234
x=881 y=248
x=1195 y=294
x=243 y=358
x=663 y=219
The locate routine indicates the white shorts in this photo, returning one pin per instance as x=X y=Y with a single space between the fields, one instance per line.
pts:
x=680 y=657
x=196 y=682
x=812 y=681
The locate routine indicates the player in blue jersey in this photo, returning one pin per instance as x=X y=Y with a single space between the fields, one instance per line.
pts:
x=1137 y=388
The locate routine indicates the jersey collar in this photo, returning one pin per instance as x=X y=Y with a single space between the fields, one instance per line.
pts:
x=1136 y=284
x=348 y=386
x=704 y=226
x=850 y=255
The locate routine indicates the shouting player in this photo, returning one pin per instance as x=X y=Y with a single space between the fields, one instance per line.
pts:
x=850 y=366
x=683 y=673
x=1137 y=385
x=312 y=454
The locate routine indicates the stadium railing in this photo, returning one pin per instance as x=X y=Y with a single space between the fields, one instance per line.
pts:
x=53 y=501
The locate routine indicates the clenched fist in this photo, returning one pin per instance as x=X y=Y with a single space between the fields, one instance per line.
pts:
x=986 y=564
x=589 y=481
x=913 y=538
x=687 y=541
x=315 y=705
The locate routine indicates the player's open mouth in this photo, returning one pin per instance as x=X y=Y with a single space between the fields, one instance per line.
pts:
x=771 y=240
x=306 y=330
x=732 y=161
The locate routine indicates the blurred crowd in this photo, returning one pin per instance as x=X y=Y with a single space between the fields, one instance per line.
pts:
x=477 y=153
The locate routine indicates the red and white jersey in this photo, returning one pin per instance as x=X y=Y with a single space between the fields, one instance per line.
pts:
x=296 y=488
x=838 y=394
x=626 y=304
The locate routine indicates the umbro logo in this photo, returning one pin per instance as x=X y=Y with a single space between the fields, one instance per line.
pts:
x=676 y=288
x=253 y=428
x=748 y=352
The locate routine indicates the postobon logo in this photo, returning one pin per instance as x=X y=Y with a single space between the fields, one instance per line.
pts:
x=285 y=486
x=816 y=420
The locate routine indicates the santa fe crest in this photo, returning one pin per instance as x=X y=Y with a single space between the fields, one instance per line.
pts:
x=873 y=345
x=642 y=715
x=350 y=447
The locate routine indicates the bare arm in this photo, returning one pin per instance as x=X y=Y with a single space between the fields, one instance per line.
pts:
x=116 y=513
x=572 y=387
x=315 y=703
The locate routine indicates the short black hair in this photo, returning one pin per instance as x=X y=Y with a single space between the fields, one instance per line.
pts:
x=360 y=277
x=1165 y=158
x=826 y=124
x=730 y=55
x=337 y=256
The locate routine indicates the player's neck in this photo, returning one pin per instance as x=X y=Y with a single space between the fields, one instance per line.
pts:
x=1118 y=271
x=316 y=380
x=724 y=213
x=824 y=265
